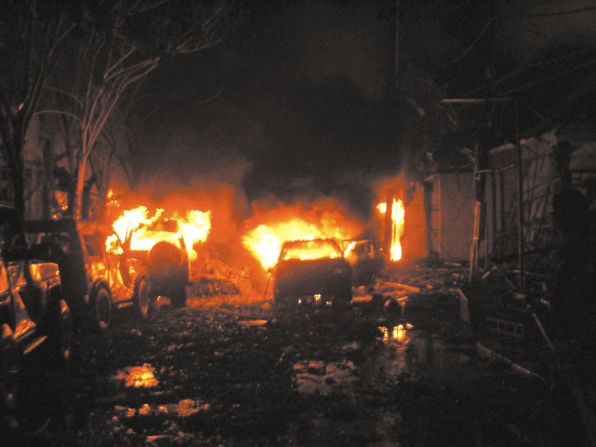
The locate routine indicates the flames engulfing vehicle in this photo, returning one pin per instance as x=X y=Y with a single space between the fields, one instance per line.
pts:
x=165 y=241
x=312 y=271
x=94 y=281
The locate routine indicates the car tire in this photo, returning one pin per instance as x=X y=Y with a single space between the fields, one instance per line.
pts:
x=10 y=369
x=142 y=298
x=61 y=334
x=178 y=297
x=101 y=308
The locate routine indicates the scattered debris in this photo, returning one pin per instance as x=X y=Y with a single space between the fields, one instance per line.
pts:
x=488 y=353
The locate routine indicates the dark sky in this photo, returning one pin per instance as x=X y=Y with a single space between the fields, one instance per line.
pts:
x=295 y=101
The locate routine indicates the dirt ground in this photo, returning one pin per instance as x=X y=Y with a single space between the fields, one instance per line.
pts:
x=226 y=372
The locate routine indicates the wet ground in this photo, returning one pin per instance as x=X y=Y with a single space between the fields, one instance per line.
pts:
x=223 y=373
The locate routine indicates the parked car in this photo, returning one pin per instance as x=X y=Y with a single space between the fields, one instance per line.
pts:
x=312 y=271
x=366 y=260
x=35 y=320
x=95 y=281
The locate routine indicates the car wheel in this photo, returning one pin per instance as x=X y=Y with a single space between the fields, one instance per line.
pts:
x=142 y=298
x=10 y=367
x=179 y=297
x=101 y=308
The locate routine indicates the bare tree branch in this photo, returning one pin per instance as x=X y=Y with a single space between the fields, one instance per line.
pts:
x=116 y=47
x=557 y=13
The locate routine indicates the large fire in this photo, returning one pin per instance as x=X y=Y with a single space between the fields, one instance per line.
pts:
x=139 y=229
x=265 y=240
x=398 y=215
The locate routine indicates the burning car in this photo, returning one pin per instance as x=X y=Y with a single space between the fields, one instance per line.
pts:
x=312 y=271
x=94 y=280
x=366 y=260
x=165 y=241
x=34 y=318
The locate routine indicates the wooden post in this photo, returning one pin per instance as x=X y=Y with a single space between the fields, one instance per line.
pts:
x=428 y=215
x=520 y=201
x=493 y=235
x=473 y=273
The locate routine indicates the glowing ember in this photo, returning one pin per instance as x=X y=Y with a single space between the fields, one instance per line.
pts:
x=265 y=241
x=398 y=215
x=140 y=230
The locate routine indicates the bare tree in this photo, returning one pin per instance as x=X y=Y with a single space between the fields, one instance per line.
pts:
x=31 y=32
x=117 y=43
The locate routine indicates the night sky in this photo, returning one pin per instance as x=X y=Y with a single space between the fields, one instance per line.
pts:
x=296 y=101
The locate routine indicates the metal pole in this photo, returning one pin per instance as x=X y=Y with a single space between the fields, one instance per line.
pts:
x=520 y=200
x=396 y=60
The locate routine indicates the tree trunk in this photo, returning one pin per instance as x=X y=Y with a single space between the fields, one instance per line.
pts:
x=17 y=167
x=48 y=179
x=79 y=188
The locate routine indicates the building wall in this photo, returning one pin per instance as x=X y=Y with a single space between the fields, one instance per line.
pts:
x=452 y=214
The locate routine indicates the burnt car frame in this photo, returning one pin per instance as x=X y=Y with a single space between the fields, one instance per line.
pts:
x=34 y=318
x=95 y=282
x=312 y=271
x=366 y=260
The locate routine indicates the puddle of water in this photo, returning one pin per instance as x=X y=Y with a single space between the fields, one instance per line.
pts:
x=397 y=334
x=406 y=350
x=319 y=377
x=253 y=323
x=137 y=376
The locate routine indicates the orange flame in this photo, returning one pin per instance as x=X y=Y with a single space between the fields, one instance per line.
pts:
x=141 y=230
x=313 y=249
x=323 y=219
x=265 y=241
x=398 y=215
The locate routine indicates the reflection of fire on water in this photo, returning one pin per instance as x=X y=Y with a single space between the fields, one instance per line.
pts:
x=398 y=215
x=399 y=333
x=140 y=227
x=138 y=376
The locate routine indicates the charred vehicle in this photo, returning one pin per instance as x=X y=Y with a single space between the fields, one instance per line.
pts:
x=366 y=260
x=312 y=271
x=34 y=318
x=95 y=281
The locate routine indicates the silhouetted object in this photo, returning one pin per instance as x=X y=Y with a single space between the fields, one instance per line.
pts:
x=574 y=292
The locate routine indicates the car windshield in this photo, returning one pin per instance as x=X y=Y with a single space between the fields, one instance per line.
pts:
x=309 y=250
